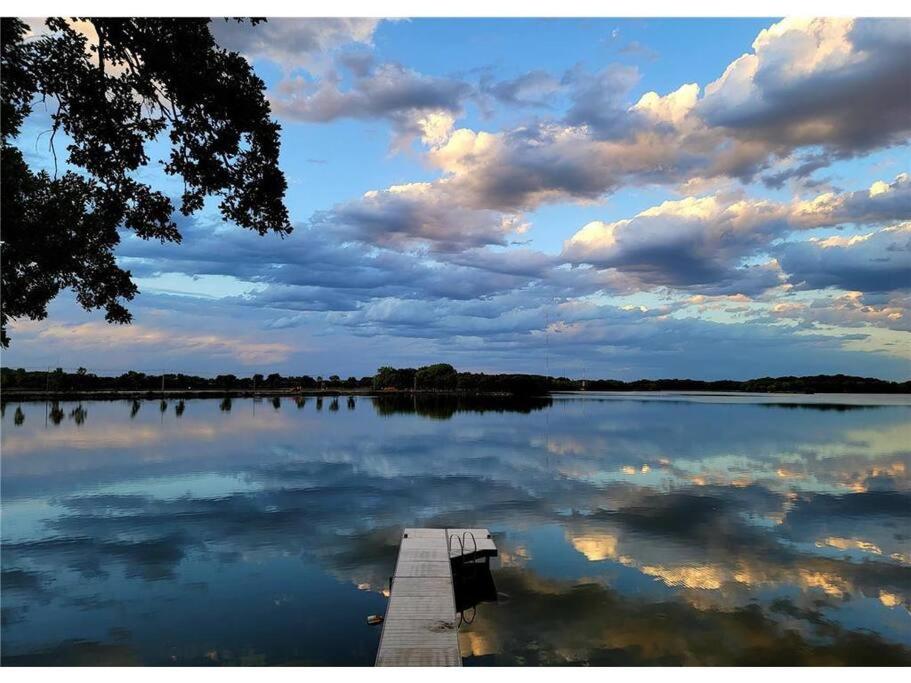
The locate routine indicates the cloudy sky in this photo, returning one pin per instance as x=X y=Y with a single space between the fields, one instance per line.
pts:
x=615 y=198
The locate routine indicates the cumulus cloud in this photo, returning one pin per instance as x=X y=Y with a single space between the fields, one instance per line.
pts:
x=525 y=167
x=685 y=242
x=418 y=213
x=839 y=83
x=878 y=261
x=817 y=83
x=546 y=162
x=704 y=240
x=408 y=261
x=883 y=202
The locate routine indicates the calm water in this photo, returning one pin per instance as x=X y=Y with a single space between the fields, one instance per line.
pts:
x=632 y=530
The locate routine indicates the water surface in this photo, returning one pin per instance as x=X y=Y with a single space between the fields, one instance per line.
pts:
x=633 y=529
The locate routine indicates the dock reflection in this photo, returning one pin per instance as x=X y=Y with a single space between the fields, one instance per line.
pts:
x=473 y=583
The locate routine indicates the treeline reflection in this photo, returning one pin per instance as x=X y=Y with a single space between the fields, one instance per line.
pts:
x=444 y=406
x=836 y=407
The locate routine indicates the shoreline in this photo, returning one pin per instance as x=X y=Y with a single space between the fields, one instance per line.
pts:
x=33 y=395
x=26 y=395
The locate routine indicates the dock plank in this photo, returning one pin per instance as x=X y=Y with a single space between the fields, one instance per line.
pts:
x=420 y=627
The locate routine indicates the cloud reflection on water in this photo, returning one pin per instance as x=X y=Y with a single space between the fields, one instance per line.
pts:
x=782 y=532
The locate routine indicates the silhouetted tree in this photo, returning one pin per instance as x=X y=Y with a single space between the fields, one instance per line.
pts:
x=140 y=80
x=394 y=378
x=225 y=381
x=78 y=414
x=441 y=376
x=56 y=413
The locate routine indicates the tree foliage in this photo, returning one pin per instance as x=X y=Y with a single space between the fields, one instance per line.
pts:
x=112 y=86
x=441 y=377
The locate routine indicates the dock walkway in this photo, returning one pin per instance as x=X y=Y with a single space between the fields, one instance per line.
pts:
x=420 y=627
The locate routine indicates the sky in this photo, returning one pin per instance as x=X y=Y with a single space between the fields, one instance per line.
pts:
x=616 y=198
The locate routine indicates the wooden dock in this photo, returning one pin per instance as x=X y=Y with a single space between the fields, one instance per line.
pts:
x=421 y=627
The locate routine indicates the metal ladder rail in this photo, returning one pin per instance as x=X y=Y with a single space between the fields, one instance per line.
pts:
x=473 y=540
x=461 y=545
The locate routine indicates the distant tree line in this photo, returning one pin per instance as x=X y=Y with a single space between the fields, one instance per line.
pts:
x=444 y=377
x=819 y=384
x=82 y=380
x=440 y=377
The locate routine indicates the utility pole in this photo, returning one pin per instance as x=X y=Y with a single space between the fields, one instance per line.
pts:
x=162 y=406
x=546 y=342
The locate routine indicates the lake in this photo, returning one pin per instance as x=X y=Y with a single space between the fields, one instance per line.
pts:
x=632 y=529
